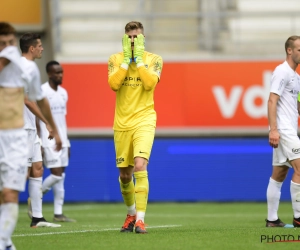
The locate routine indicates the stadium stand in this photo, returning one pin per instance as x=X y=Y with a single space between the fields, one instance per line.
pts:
x=90 y=30
x=260 y=23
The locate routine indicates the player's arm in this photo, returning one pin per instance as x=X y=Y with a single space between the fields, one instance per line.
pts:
x=150 y=77
x=278 y=84
x=69 y=148
x=116 y=73
x=9 y=54
x=298 y=103
x=45 y=109
x=272 y=118
x=38 y=131
x=33 y=107
x=149 y=80
x=38 y=127
x=3 y=63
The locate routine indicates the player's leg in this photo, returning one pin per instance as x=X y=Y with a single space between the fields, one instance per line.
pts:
x=52 y=161
x=13 y=172
x=141 y=193
x=35 y=189
x=35 y=192
x=143 y=141
x=127 y=190
x=59 y=188
x=59 y=195
x=290 y=144
x=58 y=191
x=31 y=139
x=35 y=180
x=280 y=170
x=295 y=191
x=279 y=174
x=9 y=210
x=124 y=162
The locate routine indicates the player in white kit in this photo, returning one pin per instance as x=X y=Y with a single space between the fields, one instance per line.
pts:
x=56 y=161
x=31 y=48
x=283 y=122
x=13 y=137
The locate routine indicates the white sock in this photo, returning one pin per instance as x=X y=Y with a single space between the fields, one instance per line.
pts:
x=36 y=196
x=140 y=216
x=59 y=195
x=295 y=196
x=9 y=242
x=131 y=210
x=49 y=182
x=8 y=220
x=273 y=198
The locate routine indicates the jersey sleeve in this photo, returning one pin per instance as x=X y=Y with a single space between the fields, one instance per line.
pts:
x=112 y=65
x=116 y=72
x=278 y=81
x=12 y=54
x=156 y=66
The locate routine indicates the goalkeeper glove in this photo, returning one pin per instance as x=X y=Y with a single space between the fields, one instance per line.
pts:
x=127 y=52
x=139 y=48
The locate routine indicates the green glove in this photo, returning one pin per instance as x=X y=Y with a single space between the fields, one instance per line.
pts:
x=139 y=48
x=127 y=52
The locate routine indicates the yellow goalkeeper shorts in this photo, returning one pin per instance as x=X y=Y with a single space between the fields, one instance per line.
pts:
x=133 y=143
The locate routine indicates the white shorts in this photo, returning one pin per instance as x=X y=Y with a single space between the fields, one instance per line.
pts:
x=34 y=146
x=54 y=159
x=288 y=148
x=13 y=159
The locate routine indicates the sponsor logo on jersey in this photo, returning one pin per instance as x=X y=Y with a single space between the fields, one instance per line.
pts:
x=129 y=78
x=294 y=91
x=53 y=161
x=119 y=160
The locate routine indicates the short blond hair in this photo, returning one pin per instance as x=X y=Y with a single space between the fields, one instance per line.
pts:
x=290 y=42
x=134 y=25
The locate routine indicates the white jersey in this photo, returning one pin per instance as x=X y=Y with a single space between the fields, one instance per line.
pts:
x=29 y=117
x=286 y=83
x=18 y=73
x=58 y=105
x=10 y=76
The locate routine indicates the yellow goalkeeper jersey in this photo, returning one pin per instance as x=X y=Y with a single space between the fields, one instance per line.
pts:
x=134 y=104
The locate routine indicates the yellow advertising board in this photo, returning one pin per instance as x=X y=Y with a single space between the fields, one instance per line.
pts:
x=23 y=14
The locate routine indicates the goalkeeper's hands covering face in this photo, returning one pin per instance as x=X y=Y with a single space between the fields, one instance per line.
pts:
x=139 y=48
x=126 y=43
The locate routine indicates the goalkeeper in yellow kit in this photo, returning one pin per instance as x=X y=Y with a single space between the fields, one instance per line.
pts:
x=133 y=75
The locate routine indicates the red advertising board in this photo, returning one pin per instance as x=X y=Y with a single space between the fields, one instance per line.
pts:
x=190 y=94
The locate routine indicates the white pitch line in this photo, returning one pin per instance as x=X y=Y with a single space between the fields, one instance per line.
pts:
x=87 y=231
x=66 y=208
x=188 y=215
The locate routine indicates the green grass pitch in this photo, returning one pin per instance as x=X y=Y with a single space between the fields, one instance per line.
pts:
x=170 y=226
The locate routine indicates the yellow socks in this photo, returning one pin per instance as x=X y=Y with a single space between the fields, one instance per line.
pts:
x=136 y=196
x=141 y=190
x=127 y=191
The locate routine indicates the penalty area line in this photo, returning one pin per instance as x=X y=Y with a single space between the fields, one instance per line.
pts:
x=86 y=231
